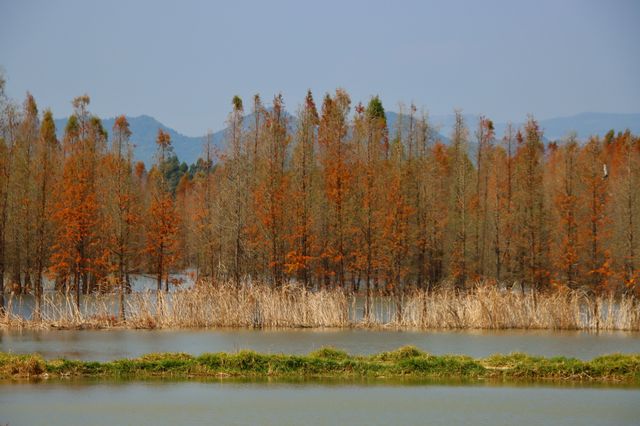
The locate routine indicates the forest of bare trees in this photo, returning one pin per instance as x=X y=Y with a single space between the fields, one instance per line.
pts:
x=332 y=199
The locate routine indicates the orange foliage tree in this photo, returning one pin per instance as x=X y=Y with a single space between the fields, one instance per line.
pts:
x=396 y=218
x=337 y=176
x=484 y=136
x=460 y=185
x=594 y=229
x=77 y=258
x=272 y=190
x=565 y=186
x=162 y=225
x=121 y=208
x=47 y=154
x=334 y=201
x=300 y=255
x=530 y=205
x=370 y=139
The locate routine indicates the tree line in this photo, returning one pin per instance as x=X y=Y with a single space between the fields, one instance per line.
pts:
x=337 y=200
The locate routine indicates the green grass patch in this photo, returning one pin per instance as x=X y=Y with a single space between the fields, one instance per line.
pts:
x=407 y=362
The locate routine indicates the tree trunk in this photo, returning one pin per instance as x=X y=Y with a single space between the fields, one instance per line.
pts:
x=121 y=282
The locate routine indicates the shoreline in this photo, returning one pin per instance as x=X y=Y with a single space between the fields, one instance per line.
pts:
x=34 y=326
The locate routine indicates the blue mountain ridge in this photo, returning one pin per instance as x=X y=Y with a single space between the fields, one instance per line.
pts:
x=189 y=148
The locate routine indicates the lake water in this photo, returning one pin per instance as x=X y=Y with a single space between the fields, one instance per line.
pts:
x=113 y=344
x=316 y=403
x=312 y=402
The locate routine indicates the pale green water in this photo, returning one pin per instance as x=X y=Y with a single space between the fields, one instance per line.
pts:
x=233 y=403
x=107 y=345
x=371 y=402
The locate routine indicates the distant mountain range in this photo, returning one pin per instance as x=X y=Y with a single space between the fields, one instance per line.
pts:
x=584 y=124
x=188 y=148
x=143 y=136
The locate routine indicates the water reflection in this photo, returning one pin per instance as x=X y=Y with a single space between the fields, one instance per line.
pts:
x=113 y=344
x=319 y=403
x=275 y=382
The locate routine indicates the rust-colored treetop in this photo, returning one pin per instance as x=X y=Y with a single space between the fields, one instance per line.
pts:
x=333 y=198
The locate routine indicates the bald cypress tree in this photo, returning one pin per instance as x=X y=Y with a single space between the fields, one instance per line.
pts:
x=460 y=178
x=531 y=208
x=8 y=133
x=335 y=152
x=21 y=207
x=370 y=138
x=270 y=195
x=236 y=189
x=47 y=158
x=161 y=241
x=120 y=207
x=303 y=189
x=484 y=138
x=77 y=252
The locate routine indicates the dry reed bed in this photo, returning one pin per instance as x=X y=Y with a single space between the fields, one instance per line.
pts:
x=261 y=306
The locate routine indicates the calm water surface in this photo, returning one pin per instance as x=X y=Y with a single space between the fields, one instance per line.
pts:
x=167 y=403
x=84 y=402
x=113 y=344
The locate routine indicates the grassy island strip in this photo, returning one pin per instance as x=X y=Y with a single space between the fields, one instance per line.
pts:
x=406 y=362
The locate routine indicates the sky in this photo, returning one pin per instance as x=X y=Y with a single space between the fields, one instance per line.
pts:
x=183 y=61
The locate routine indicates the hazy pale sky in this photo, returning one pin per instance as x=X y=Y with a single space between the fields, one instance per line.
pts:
x=182 y=61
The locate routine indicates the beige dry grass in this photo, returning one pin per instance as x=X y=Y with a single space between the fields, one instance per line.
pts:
x=291 y=306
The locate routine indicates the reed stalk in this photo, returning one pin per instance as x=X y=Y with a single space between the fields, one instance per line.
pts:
x=257 y=305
